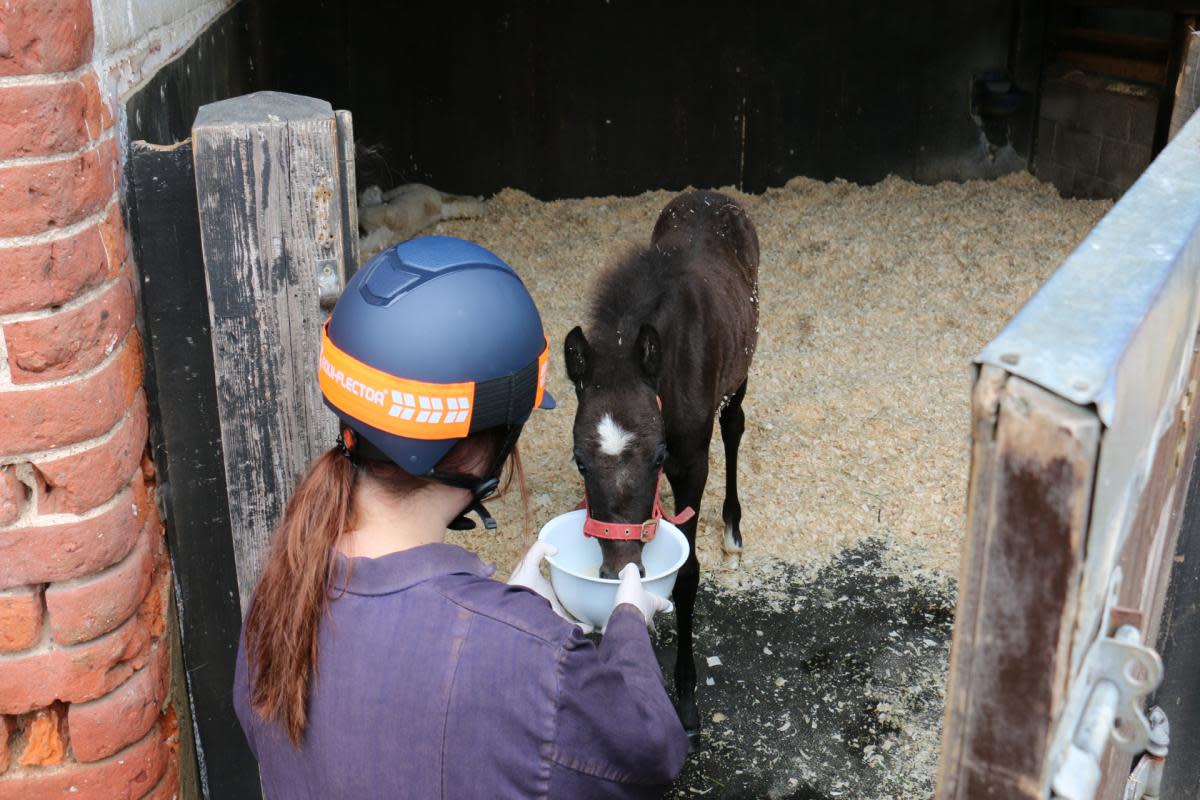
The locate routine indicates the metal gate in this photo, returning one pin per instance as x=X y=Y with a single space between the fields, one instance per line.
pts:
x=1084 y=419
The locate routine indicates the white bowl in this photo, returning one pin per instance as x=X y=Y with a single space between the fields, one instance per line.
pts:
x=574 y=572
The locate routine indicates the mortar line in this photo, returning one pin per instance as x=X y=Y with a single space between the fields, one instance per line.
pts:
x=78 y=301
x=60 y=233
x=49 y=520
x=46 y=78
x=78 y=377
x=59 y=158
x=69 y=450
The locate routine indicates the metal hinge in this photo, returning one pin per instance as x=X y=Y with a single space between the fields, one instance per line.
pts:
x=1120 y=672
x=1145 y=783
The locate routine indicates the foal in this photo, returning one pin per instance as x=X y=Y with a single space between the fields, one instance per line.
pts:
x=672 y=330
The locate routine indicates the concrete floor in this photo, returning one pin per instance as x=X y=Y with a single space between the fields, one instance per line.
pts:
x=830 y=684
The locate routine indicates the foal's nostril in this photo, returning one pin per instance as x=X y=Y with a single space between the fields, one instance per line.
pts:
x=642 y=569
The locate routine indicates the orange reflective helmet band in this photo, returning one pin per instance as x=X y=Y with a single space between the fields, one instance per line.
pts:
x=543 y=366
x=400 y=406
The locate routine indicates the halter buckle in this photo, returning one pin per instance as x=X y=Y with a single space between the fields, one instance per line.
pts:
x=649 y=527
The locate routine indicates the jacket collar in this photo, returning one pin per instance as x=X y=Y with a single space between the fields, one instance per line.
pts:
x=398 y=571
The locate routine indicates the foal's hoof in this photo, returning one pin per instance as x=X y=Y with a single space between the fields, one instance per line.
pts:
x=690 y=718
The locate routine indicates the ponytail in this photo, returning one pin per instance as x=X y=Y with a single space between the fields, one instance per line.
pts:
x=294 y=590
x=293 y=593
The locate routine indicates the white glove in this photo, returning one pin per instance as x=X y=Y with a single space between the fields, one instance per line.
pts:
x=528 y=573
x=631 y=591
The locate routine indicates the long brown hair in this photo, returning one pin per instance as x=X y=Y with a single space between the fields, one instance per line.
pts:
x=293 y=592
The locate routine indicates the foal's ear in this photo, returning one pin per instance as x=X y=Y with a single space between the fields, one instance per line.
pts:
x=648 y=352
x=578 y=356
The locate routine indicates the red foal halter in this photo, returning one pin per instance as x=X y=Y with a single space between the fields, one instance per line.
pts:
x=635 y=531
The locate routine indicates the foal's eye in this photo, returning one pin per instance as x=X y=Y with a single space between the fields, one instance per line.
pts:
x=579 y=465
x=660 y=456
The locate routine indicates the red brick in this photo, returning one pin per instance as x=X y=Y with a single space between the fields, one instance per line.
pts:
x=42 y=418
x=72 y=674
x=72 y=340
x=126 y=775
x=73 y=484
x=20 y=618
x=153 y=610
x=112 y=232
x=14 y=495
x=7 y=725
x=51 y=118
x=66 y=550
x=45 y=739
x=49 y=274
x=38 y=197
x=168 y=785
x=85 y=608
x=103 y=726
x=37 y=37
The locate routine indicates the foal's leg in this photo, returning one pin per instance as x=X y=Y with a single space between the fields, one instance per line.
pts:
x=733 y=425
x=687 y=470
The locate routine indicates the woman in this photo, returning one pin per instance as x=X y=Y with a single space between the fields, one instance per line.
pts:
x=378 y=661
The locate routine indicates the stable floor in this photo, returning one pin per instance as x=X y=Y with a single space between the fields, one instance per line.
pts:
x=854 y=464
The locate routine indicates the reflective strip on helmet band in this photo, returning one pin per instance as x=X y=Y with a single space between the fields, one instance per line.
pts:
x=399 y=406
x=543 y=368
x=404 y=407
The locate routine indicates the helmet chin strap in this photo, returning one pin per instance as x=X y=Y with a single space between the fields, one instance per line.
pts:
x=480 y=488
x=354 y=447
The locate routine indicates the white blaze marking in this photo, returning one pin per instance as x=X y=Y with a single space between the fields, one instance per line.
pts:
x=613 y=438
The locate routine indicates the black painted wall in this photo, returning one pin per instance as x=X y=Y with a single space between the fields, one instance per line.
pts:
x=593 y=97
x=227 y=59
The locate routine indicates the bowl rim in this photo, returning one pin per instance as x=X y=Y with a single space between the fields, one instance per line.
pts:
x=662 y=525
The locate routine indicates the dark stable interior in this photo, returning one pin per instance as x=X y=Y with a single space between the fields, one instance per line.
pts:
x=596 y=98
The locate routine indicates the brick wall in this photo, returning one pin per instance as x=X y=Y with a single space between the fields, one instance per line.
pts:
x=1095 y=134
x=84 y=579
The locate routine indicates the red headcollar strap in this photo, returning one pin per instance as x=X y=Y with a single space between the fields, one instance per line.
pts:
x=637 y=531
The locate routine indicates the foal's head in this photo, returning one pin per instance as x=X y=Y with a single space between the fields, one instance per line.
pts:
x=620 y=443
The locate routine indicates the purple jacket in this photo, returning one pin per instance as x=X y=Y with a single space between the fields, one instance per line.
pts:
x=436 y=682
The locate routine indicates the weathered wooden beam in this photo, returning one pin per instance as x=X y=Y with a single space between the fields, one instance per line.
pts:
x=1033 y=463
x=1187 y=87
x=349 y=192
x=190 y=470
x=268 y=177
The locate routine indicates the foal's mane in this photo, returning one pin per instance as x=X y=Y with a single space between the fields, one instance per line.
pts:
x=635 y=290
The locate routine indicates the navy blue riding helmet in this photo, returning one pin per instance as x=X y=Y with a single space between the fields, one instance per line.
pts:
x=418 y=320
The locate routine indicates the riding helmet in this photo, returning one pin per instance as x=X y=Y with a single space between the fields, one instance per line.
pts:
x=432 y=340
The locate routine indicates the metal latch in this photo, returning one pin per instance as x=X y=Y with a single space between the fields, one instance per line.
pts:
x=1121 y=671
x=329 y=282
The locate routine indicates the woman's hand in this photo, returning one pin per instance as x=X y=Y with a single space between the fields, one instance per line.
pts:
x=528 y=573
x=632 y=592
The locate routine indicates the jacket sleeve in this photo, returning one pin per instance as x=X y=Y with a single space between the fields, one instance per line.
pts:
x=615 y=722
x=241 y=695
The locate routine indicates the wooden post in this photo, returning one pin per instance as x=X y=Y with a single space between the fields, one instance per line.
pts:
x=269 y=172
x=349 y=192
x=1033 y=461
